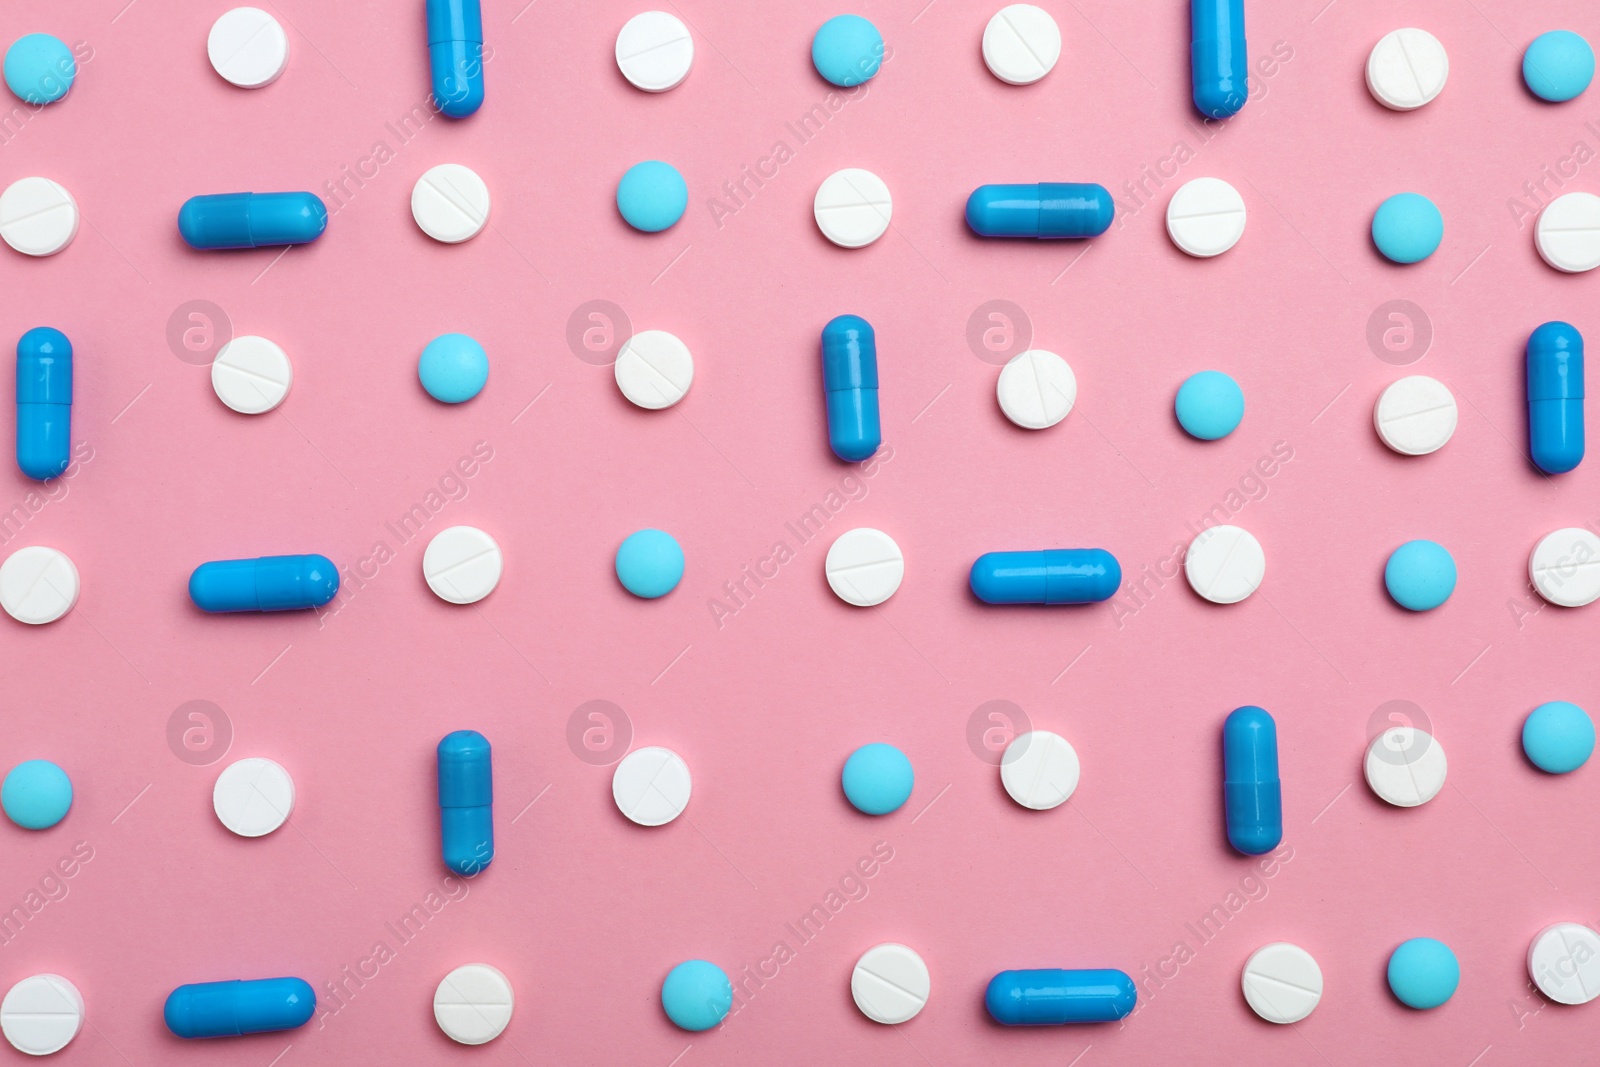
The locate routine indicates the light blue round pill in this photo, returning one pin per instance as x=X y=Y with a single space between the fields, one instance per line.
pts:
x=40 y=68
x=697 y=995
x=1210 y=405
x=649 y=563
x=1407 y=228
x=453 y=368
x=1558 y=737
x=877 y=779
x=652 y=196
x=1423 y=973
x=1420 y=575
x=1558 y=66
x=36 y=794
x=847 y=50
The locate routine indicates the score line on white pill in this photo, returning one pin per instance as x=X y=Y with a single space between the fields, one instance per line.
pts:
x=853 y=207
x=1021 y=44
x=654 y=369
x=41 y=1014
x=890 y=984
x=652 y=786
x=1407 y=69
x=1036 y=389
x=1040 y=770
x=450 y=203
x=1225 y=564
x=251 y=375
x=248 y=48
x=865 y=567
x=473 y=1004
x=1568 y=233
x=38 y=585
x=1206 y=217
x=37 y=216
x=1282 y=983
x=1416 y=415
x=655 y=51
x=462 y=565
x=253 y=797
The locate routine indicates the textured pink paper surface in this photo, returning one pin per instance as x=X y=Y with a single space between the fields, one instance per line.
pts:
x=585 y=912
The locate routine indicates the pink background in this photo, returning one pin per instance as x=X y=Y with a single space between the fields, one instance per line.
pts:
x=585 y=912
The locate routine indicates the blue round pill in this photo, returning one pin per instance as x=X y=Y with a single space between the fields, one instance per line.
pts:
x=453 y=368
x=1420 y=575
x=1423 y=973
x=40 y=68
x=877 y=779
x=1558 y=66
x=1407 y=228
x=697 y=995
x=847 y=50
x=1210 y=405
x=652 y=196
x=1558 y=737
x=649 y=563
x=36 y=794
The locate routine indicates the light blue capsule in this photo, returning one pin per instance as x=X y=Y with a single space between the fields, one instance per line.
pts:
x=455 y=56
x=1252 y=792
x=44 y=403
x=466 y=801
x=1218 y=62
x=1049 y=576
x=231 y=1009
x=271 y=583
x=252 y=220
x=1055 y=996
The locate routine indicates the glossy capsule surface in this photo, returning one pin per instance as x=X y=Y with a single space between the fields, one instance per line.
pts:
x=455 y=55
x=1218 y=61
x=850 y=379
x=1252 y=794
x=1046 y=210
x=270 y=583
x=1053 y=996
x=466 y=799
x=1555 y=397
x=252 y=220
x=1050 y=576
x=44 y=402
x=230 y=1009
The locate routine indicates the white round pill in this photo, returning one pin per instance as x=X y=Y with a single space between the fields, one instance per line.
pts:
x=853 y=207
x=651 y=786
x=1415 y=415
x=1565 y=567
x=1568 y=232
x=1224 y=564
x=654 y=369
x=253 y=797
x=450 y=203
x=37 y=216
x=41 y=1014
x=462 y=564
x=38 y=585
x=1039 y=769
x=1406 y=766
x=1406 y=69
x=1021 y=44
x=865 y=567
x=251 y=375
x=1281 y=982
x=1564 y=962
x=655 y=51
x=1036 y=389
x=473 y=1004
x=248 y=47
x=890 y=984
x=1205 y=217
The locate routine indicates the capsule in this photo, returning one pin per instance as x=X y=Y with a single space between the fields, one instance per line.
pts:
x=1218 y=62
x=44 y=402
x=1252 y=795
x=466 y=799
x=1555 y=397
x=850 y=377
x=271 y=583
x=1052 y=996
x=230 y=1009
x=1046 y=210
x=455 y=55
x=1050 y=576
x=252 y=220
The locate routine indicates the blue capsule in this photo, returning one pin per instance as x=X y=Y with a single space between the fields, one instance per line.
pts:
x=466 y=799
x=1555 y=397
x=1053 y=996
x=455 y=56
x=1046 y=210
x=230 y=1009
x=1050 y=576
x=1218 y=62
x=850 y=378
x=271 y=583
x=252 y=220
x=44 y=402
x=1251 y=792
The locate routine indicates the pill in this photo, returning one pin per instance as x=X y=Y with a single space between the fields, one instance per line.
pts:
x=1565 y=567
x=1407 y=228
x=652 y=196
x=462 y=565
x=1209 y=405
x=850 y=383
x=852 y=207
x=651 y=786
x=696 y=995
x=41 y=1014
x=1048 y=210
x=649 y=563
x=37 y=216
x=1224 y=564
x=890 y=984
x=252 y=220
x=1039 y=770
x=1281 y=982
x=1252 y=792
x=654 y=369
x=1406 y=69
x=1021 y=44
x=1047 y=576
x=40 y=69
x=473 y=1004
x=1558 y=66
x=466 y=801
x=865 y=567
x=248 y=48
x=253 y=797
x=1053 y=996
x=1420 y=575
x=36 y=794
x=38 y=585
x=1205 y=217
x=231 y=1009
x=251 y=375
x=1568 y=232
x=655 y=51
x=877 y=779
x=1405 y=766
x=1423 y=973
x=1218 y=61
x=450 y=203
x=44 y=403
x=1415 y=415
x=1036 y=389
x=455 y=56
x=270 y=583
x=1564 y=962
x=847 y=50
x=1555 y=397
x=1558 y=737
x=453 y=368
